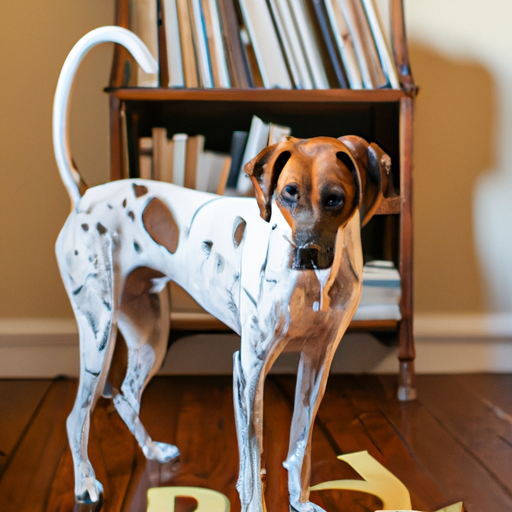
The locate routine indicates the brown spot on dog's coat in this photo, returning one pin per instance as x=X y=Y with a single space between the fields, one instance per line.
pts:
x=131 y=215
x=124 y=203
x=139 y=190
x=85 y=227
x=161 y=225
x=101 y=228
x=239 y=231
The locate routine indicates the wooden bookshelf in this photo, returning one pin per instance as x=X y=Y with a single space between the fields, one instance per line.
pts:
x=384 y=116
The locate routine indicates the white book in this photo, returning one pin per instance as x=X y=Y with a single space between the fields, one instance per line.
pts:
x=217 y=47
x=257 y=140
x=179 y=158
x=211 y=171
x=381 y=283
x=344 y=43
x=278 y=133
x=309 y=44
x=285 y=42
x=366 y=53
x=380 y=298
x=265 y=43
x=173 y=44
x=387 y=62
x=290 y=30
x=200 y=43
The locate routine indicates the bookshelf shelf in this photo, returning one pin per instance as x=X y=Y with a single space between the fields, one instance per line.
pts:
x=259 y=95
x=384 y=116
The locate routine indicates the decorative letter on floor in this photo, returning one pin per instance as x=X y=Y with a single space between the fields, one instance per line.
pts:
x=377 y=481
x=162 y=499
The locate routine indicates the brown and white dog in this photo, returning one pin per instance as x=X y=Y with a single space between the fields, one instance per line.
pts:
x=284 y=271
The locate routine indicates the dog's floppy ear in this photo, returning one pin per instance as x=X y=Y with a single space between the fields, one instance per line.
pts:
x=374 y=166
x=264 y=171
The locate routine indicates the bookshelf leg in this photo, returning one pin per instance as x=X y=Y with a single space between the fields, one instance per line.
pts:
x=406 y=389
x=406 y=356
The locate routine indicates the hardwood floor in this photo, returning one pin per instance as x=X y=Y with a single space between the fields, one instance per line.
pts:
x=452 y=444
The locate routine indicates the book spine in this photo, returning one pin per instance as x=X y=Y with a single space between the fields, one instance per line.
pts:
x=159 y=136
x=309 y=45
x=344 y=43
x=179 y=158
x=381 y=43
x=219 y=49
x=146 y=158
x=200 y=43
x=173 y=44
x=236 y=152
x=231 y=37
x=144 y=23
x=328 y=39
x=256 y=141
x=187 y=45
x=266 y=46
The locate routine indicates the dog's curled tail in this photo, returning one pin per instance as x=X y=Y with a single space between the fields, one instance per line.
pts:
x=68 y=171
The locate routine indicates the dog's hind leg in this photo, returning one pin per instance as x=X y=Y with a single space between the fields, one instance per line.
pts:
x=93 y=304
x=144 y=322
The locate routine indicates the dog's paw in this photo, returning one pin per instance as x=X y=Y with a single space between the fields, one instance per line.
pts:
x=306 y=506
x=89 y=491
x=162 y=452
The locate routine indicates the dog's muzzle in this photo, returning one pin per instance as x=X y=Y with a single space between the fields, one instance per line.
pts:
x=311 y=258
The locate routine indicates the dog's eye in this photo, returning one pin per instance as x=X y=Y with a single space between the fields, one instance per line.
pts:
x=333 y=200
x=290 y=192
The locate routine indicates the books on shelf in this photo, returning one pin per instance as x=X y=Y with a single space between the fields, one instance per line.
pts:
x=303 y=44
x=182 y=160
x=265 y=44
x=380 y=299
x=142 y=18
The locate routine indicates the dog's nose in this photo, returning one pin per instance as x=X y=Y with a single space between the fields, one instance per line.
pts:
x=306 y=258
x=310 y=258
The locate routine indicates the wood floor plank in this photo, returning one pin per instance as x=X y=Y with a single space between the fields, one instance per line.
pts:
x=27 y=480
x=473 y=423
x=494 y=389
x=19 y=400
x=277 y=418
x=455 y=471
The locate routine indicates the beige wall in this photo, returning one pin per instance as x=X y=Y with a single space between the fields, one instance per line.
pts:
x=461 y=132
x=463 y=226
x=35 y=38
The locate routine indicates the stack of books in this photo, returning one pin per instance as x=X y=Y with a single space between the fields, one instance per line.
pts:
x=183 y=160
x=287 y=44
x=382 y=292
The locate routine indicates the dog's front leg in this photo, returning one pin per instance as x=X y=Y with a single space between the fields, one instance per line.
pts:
x=251 y=366
x=312 y=376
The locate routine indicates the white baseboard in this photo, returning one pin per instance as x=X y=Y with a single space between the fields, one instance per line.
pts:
x=42 y=348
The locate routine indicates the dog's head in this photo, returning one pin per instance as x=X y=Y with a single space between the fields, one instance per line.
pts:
x=320 y=184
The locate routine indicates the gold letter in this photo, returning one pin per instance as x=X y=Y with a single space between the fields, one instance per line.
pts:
x=162 y=499
x=377 y=481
